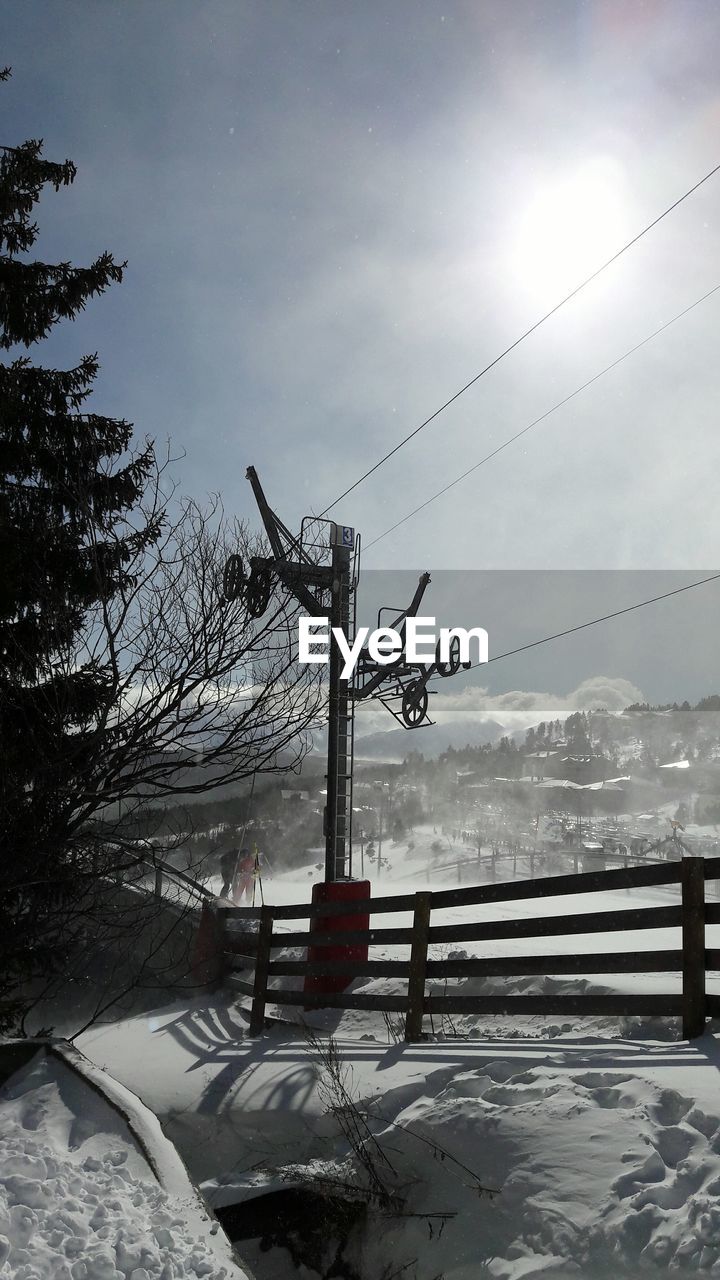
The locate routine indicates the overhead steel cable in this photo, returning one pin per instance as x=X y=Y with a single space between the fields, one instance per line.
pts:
x=543 y=416
x=568 y=297
x=582 y=626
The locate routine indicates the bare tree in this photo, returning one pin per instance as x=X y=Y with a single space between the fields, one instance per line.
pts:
x=198 y=695
x=125 y=677
x=202 y=694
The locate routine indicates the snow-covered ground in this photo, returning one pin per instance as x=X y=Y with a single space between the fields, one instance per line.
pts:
x=79 y=1198
x=453 y=864
x=601 y=1135
x=605 y=1150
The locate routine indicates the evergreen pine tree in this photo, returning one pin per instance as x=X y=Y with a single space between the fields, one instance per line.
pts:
x=67 y=484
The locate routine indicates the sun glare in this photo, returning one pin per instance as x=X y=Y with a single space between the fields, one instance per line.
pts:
x=570 y=226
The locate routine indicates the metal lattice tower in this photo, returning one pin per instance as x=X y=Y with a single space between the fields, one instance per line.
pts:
x=320 y=569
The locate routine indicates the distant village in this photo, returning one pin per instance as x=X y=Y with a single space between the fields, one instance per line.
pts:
x=645 y=781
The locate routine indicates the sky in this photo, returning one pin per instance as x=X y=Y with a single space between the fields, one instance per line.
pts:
x=335 y=213
x=665 y=652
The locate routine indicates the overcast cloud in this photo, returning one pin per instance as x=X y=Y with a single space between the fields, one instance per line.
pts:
x=515 y=710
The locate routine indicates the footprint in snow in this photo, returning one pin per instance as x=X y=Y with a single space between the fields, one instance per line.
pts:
x=605 y=1089
x=529 y=1086
x=600 y=1079
x=475 y=1084
x=471 y=1085
x=651 y=1170
x=674 y=1194
x=33 y=1115
x=670 y=1108
x=501 y=1071
x=674 y=1144
x=705 y=1124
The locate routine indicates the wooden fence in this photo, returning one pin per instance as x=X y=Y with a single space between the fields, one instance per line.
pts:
x=691 y=959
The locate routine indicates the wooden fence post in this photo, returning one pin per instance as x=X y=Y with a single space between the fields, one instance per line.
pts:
x=262 y=961
x=692 y=879
x=418 y=960
x=224 y=942
x=208 y=958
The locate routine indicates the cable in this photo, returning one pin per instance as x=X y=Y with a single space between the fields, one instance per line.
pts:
x=488 y=457
x=522 y=337
x=593 y=622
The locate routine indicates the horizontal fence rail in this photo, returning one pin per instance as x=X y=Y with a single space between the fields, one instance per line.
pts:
x=547 y=887
x=250 y=933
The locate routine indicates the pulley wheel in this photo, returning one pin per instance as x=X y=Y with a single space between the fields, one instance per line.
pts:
x=414 y=703
x=452 y=666
x=257 y=595
x=234 y=578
